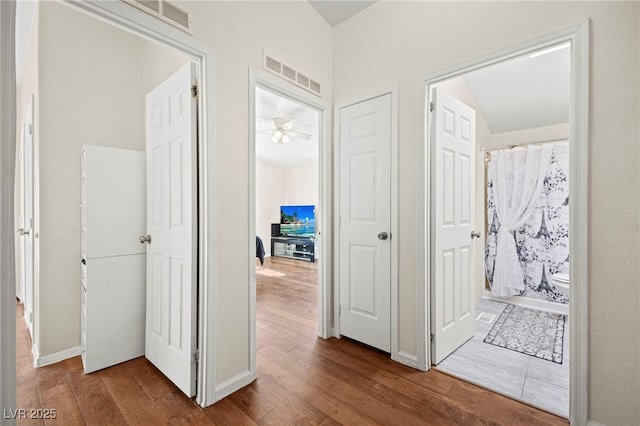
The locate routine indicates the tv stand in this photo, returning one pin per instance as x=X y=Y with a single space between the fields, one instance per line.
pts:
x=301 y=248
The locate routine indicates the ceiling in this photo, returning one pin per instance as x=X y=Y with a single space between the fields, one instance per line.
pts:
x=337 y=11
x=298 y=151
x=498 y=90
x=524 y=92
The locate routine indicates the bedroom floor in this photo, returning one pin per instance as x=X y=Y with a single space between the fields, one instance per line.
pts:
x=543 y=384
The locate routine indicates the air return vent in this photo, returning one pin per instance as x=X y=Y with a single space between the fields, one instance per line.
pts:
x=164 y=11
x=290 y=74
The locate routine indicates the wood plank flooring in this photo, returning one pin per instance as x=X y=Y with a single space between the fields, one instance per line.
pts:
x=301 y=379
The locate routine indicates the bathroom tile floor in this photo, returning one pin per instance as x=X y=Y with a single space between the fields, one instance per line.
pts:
x=543 y=384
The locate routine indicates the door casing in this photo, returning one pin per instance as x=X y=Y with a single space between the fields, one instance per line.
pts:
x=138 y=23
x=578 y=35
x=260 y=78
x=396 y=355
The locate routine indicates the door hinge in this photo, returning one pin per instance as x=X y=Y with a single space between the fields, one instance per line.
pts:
x=196 y=356
x=194 y=90
x=431 y=338
x=30 y=129
x=30 y=317
x=431 y=106
x=339 y=310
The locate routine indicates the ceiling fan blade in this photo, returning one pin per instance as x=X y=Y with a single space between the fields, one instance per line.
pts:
x=283 y=123
x=263 y=122
x=300 y=135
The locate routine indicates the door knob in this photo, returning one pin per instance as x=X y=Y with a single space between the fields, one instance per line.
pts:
x=145 y=239
x=383 y=236
x=475 y=234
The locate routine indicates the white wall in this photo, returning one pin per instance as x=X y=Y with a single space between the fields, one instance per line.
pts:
x=239 y=31
x=399 y=41
x=302 y=184
x=78 y=64
x=91 y=92
x=521 y=137
x=28 y=86
x=158 y=63
x=277 y=186
x=270 y=193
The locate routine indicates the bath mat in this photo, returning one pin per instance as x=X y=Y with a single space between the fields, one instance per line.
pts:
x=269 y=272
x=529 y=331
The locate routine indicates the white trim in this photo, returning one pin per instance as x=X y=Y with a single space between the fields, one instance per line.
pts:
x=35 y=353
x=7 y=230
x=41 y=361
x=139 y=23
x=578 y=34
x=260 y=78
x=410 y=360
x=529 y=302
x=393 y=91
x=236 y=382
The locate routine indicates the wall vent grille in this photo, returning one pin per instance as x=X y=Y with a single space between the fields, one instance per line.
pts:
x=291 y=74
x=164 y=11
x=273 y=65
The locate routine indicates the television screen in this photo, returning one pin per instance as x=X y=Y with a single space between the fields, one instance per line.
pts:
x=297 y=221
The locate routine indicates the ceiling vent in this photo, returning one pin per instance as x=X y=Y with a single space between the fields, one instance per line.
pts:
x=164 y=11
x=291 y=74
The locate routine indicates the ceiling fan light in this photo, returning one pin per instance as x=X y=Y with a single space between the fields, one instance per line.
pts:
x=277 y=135
x=285 y=139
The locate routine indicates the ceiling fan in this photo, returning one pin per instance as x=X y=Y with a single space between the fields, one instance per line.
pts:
x=282 y=129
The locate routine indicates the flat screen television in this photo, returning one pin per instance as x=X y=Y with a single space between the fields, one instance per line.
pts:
x=298 y=221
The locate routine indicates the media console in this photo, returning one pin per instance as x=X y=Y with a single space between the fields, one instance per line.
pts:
x=293 y=247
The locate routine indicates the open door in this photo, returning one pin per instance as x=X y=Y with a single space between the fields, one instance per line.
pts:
x=171 y=334
x=365 y=222
x=26 y=216
x=453 y=138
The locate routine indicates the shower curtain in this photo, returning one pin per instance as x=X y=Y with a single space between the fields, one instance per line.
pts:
x=528 y=220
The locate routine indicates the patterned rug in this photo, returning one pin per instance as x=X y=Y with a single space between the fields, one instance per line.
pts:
x=529 y=331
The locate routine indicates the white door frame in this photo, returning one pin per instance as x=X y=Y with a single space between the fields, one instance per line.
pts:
x=578 y=35
x=141 y=24
x=401 y=357
x=265 y=80
x=7 y=229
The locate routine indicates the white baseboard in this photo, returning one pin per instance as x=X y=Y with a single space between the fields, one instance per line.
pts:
x=594 y=423
x=528 y=302
x=233 y=384
x=410 y=360
x=41 y=361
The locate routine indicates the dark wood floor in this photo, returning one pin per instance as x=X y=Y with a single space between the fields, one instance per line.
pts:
x=301 y=379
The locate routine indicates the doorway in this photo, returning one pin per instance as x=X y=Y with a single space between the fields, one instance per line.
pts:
x=576 y=37
x=289 y=163
x=199 y=55
x=287 y=210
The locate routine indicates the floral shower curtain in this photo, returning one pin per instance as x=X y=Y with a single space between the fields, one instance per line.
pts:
x=528 y=218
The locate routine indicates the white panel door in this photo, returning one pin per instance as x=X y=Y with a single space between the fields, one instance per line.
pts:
x=365 y=222
x=453 y=137
x=171 y=224
x=26 y=226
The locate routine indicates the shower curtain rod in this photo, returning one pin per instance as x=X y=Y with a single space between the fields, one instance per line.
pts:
x=494 y=148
